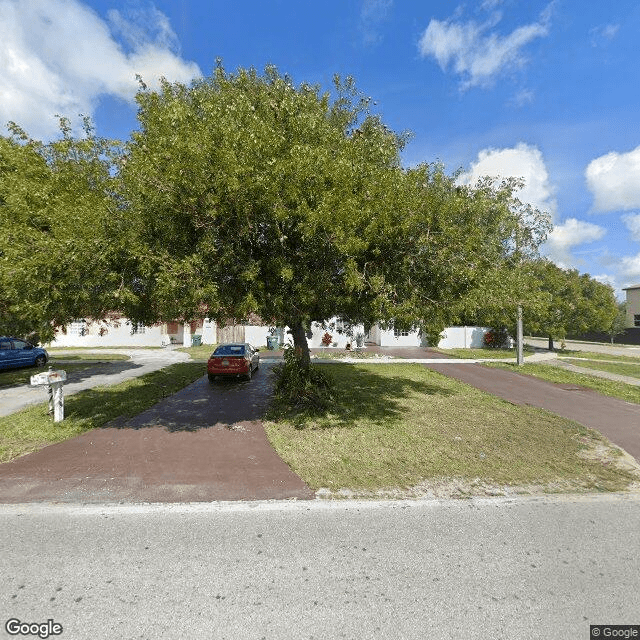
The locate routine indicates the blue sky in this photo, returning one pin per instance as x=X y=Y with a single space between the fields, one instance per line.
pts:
x=548 y=91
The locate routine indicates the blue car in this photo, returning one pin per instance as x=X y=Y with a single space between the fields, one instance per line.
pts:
x=19 y=353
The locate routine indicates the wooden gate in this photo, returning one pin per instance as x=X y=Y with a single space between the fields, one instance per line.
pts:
x=231 y=333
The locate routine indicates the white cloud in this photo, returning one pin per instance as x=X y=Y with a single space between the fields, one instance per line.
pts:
x=372 y=14
x=630 y=266
x=475 y=50
x=570 y=233
x=522 y=161
x=58 y=57
x=632 y=222
x=603 y=34
x=614 y=180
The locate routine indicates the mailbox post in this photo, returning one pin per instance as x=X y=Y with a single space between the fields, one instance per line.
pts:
x=54 y=381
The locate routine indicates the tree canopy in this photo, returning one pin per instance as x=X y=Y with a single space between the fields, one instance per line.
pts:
x=56 y=249
x=250 y=194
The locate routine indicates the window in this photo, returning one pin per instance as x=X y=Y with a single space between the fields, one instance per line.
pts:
x=636 y=320
x=78 y=327
x=5 y=344
x=137 y=328
x=19 y=344
x=397 y=333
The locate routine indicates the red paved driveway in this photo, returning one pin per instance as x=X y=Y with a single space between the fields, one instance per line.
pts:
x=204 y=443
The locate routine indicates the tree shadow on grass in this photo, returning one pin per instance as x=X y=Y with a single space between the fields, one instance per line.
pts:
x=370 y=395
x=76 y=372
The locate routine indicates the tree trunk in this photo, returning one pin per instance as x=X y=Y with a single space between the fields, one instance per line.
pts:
x=300 y=343
x=550 y=343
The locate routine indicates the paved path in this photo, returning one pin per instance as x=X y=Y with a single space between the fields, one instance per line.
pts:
x=616 y=419
x=203 y=443
x=141 y=361
x=569 y=366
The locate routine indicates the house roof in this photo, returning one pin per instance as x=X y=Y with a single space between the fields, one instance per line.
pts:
x=635 y=286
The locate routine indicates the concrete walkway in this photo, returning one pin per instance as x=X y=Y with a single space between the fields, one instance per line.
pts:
x=140 y=361
x=563 y=364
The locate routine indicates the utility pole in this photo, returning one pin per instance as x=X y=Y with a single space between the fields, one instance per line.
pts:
x=520 y=360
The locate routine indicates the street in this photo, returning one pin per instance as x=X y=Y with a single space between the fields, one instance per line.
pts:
x=543 y=567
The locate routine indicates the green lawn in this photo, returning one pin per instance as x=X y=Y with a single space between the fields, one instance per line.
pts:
x=627 y=392
x=483 y=353
x=401 y=426
x=94 y=357
x=17 y=377
x=593 y=355
x=32 y=429
x=200 y=353
x=620 y=368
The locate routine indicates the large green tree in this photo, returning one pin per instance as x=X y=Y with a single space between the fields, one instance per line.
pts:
x=57 y=215
x=574 y=303
x=251 y=194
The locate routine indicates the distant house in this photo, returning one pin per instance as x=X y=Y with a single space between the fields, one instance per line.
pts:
x=119 y=331
x=633 y=306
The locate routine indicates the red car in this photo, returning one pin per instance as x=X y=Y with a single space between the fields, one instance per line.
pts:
x=235 y=359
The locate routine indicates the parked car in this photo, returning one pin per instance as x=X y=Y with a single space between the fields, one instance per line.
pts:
x=233 y=359
x=19 y=353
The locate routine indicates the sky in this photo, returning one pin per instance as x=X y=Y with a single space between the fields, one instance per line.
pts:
x=544 y=91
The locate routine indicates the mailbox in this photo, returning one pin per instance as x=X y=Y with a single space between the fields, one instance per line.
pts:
x=53 y=380
x=48 y=377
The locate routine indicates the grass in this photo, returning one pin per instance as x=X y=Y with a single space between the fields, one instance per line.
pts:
x=482 y=353
x=401 y=426
x=32 y=428
x=612 y=388
x=620 y=368
x=17 y=377
x=200 y=353
x=592 y=355
x=58 y=349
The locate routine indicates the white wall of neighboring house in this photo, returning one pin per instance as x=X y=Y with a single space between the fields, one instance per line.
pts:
x=633 y=306
x=112 y=333
x=256 y=336
x=208 y=332
x=462 y=337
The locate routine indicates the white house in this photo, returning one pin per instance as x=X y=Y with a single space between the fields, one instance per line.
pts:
x=118 y=331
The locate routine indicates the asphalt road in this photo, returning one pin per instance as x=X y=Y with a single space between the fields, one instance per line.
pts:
x=495 y=569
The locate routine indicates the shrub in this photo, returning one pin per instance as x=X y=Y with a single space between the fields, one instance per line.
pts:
x=327 y=339
x=300 y=385
x=496 y=338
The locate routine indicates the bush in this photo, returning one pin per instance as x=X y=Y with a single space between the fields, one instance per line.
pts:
x=300 y=385
x=496 y=338
x=327 y=339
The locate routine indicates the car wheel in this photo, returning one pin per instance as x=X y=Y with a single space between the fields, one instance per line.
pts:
x=250 y=373
x=211 y=377
x=40 y=361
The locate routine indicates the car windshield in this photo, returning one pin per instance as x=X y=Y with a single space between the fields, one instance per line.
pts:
x=229 y=350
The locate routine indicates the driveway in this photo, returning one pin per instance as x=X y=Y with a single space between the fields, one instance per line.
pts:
x=141 y=361
x=203 y=443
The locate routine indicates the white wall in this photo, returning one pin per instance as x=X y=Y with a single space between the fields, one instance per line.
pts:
x=209 y=332
x=256 y=336
x=340 y=339
x=462 y=337
x=114 y=334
